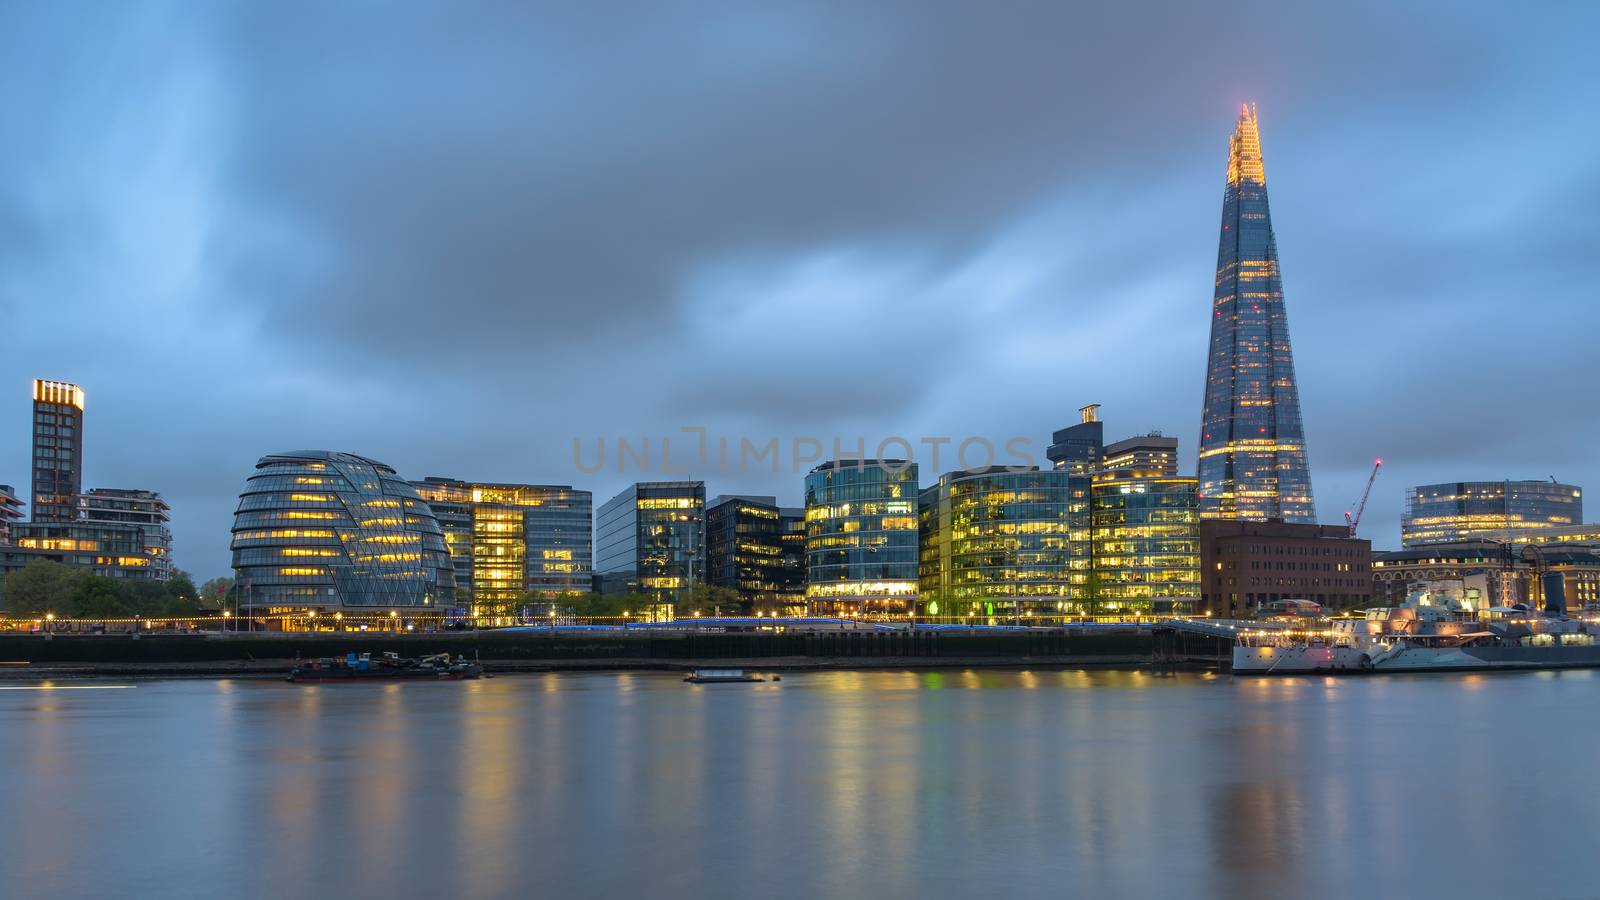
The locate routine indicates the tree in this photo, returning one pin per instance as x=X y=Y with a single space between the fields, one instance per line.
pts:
x=214 y=592
x=99 y=597
x=41 y=587
x=182 y=593
x=709 y=599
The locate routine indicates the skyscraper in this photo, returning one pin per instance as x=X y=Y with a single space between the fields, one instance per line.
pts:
x=57 y=450
x=1252 y=447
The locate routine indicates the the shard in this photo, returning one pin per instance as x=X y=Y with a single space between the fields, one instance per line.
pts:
x=1252 y=447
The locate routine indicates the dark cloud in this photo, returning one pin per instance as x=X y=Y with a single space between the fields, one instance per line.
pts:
x=457 y=236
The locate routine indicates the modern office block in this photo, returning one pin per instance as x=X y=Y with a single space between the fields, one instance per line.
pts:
x=513 y=544
x=862 y=537
x=650 y=539
x=1499 y=510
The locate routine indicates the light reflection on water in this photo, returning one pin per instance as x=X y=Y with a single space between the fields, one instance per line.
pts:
x=888 y=784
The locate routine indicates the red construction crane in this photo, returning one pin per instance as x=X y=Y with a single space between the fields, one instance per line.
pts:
x=1354 y=519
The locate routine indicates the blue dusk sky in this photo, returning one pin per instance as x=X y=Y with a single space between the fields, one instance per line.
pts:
x=457 y=236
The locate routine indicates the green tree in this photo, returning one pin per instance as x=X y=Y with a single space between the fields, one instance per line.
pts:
x=99 y=597
x=214 y=593
x=181 y=593
x=147 y=598
x=41 y=587
x=709 y=600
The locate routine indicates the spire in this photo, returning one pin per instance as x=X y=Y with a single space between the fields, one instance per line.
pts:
x=1244 y=149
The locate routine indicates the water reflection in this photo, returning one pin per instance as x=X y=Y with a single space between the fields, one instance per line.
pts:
x=896 y=784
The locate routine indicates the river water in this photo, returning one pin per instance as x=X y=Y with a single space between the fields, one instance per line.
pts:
x=845 y=784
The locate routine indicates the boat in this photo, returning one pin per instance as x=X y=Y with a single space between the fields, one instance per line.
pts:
x=387 y=667
x=1437 y=629
x=720 y=676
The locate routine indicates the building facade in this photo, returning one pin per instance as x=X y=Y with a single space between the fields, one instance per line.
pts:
x=1078 y=447
x=862 y=537
x=1145 y=534
x=57 y=450
x=651 y=539
x=1252 y=456
x=751 y=549
x=323 y=531
x=109 y=549
x=998 y=542
x=1244 y=565
x=10 y=511
x=143 y=510
x=513 y=543
x=1501 y=510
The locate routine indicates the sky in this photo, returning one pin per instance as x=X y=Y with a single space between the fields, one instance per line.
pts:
x=459 y=237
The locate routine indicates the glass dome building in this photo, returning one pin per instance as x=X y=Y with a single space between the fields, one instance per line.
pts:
x=319 y=531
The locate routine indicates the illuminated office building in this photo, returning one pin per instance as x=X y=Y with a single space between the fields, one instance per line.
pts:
x=57 y=450
x=1146 y=544
x=651 y=539
x=1077 y=447
x=1146 y=455
x=513 y=543
x=751 y=548
x=862 y=537
x=1001 y=542
x=1501 y=510
x=317 y=530
x=1252 y=454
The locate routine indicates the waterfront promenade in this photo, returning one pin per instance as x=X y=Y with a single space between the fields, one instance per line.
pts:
x=582 y=648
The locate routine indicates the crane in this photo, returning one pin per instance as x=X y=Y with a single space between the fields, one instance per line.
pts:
x=1354 y=519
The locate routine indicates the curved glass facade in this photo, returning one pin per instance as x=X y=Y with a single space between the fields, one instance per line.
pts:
x=1146 y=534
x=861 y=537
x=997 y=542
x=1463 y=510
x=321 y=530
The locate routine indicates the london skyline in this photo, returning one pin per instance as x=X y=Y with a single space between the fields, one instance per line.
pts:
x=233 y=261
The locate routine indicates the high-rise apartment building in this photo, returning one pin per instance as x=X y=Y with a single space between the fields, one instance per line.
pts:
x=1252 y=453
x=57 y=450
x=513 y=543
x=142 y=510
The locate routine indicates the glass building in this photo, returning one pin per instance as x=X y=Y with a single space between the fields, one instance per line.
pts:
x=651 y=539
x=334 y=531
x=57 y=450
x=144 y=510
x=1001 y=542
x=104 y=548
x=1252 y=463
x=1498 y=510
x=862 y=537
x=751 y=548
x=513 y=543
x=1146 y=535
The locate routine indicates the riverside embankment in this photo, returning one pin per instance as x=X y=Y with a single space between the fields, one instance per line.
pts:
x=267 y=654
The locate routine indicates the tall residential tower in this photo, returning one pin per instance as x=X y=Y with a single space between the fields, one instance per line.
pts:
x=1252 y=447
x=57 y=450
